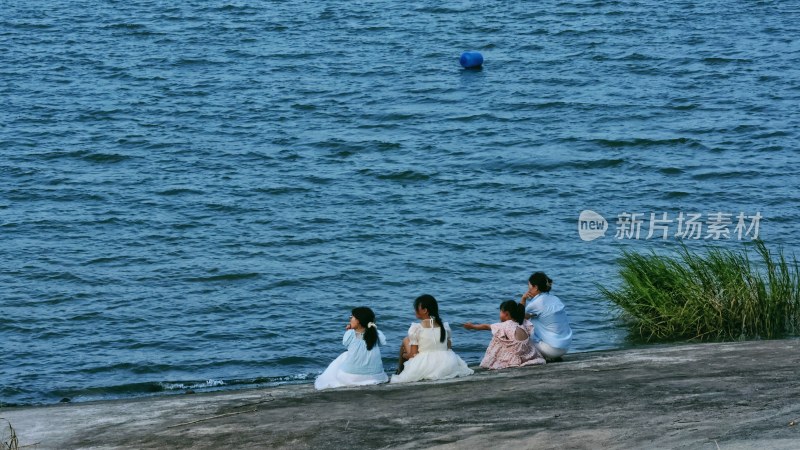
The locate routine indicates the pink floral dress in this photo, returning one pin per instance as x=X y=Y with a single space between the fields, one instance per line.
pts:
x=506 y=350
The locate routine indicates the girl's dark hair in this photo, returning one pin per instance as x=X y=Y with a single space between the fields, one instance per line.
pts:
x=364 y=316
x=428 y=302
x=516 y=310
x=541 y=281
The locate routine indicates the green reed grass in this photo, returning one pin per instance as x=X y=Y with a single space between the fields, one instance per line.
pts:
x=719 y=295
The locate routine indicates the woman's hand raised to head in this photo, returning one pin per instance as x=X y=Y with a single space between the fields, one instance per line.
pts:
x=529 y=294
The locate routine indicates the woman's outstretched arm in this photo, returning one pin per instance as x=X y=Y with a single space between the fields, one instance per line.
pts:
x=478 y=326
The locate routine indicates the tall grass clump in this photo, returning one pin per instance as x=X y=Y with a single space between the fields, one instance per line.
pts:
x=719 y=295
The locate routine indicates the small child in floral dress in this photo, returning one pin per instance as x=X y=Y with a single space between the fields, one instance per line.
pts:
x=511 y=345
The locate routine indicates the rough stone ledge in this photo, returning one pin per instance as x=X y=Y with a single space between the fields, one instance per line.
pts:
x=701 y=396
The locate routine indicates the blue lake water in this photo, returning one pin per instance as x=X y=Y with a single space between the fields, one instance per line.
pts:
x=195 y=195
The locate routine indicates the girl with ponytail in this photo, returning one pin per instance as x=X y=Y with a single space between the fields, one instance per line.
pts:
x=511 y=345
x=361 y=364
x=426 y=354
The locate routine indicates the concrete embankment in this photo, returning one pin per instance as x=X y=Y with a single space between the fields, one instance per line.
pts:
x=727 y=396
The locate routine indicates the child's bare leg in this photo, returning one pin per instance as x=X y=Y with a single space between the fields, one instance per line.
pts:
x=405 y=349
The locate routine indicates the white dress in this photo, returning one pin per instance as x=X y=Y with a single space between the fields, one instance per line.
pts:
x=355 y=367
x=434 y=360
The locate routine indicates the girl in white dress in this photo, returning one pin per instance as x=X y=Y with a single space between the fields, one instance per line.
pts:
x=426 y=354
x=361 y=364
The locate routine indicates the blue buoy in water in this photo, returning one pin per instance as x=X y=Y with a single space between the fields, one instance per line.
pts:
x=471 y=60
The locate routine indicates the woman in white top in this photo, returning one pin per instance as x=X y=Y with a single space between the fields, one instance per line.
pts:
x=552 y=334
x=426 y=354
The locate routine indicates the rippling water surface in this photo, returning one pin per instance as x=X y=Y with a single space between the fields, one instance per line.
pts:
x=194 y=195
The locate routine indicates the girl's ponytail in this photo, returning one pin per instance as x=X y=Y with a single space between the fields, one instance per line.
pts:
x=442 y=333
x=366 y=318
x=371 y=335
x=428 y=302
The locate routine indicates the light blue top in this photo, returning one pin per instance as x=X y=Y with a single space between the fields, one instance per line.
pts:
x=360 y=360
x=550 y=321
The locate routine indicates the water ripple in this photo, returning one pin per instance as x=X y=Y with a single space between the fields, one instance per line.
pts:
x=178 y=179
